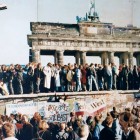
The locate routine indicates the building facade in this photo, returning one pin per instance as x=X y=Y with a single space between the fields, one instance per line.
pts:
x=86 y=38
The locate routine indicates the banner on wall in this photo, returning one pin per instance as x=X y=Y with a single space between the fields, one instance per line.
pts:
x=2 y=109
x=79 y=106
x=90 y=107
x=41 y=108
x=28 y=108
x=57 y=112
x=53 y=112
x=97 y=105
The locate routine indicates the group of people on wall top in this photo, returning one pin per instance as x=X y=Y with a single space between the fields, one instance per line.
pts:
x=33 y=78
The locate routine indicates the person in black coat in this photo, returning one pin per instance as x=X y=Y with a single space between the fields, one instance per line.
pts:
x=100 y=74
x=27 y=130
x=107 y=72
x=139 y=76
x=10 y=77
x=136 y=78
x=18 y=79
x=107 y=133
x=124 y=77
x=37 y=78
x=44 y=133
x=130 y=79
x=35 y=123
x=63 y=79
x=29 y=80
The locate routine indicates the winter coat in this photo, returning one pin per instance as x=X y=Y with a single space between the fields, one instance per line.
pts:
x=107 y=134
x=47 y=78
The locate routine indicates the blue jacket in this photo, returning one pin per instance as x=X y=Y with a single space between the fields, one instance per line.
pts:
x=96 y=131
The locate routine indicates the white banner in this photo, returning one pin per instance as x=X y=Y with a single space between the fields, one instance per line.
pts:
x=95 y=105
x=41 y=108
x=90 y=107
x=2 y=109
x=22 y=108
x=57 y=112
x=54 y=112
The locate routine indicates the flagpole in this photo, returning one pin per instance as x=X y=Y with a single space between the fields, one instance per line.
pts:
x=132 y=10
x=37 y=10
x=94 y=11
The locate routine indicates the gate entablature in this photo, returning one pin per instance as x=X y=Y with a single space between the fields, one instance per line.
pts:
x=83 y=37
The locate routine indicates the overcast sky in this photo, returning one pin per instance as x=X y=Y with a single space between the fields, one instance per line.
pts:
x=15 y=21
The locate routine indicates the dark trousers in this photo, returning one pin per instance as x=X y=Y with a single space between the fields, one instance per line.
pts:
x=37 y=85
x=10 y=88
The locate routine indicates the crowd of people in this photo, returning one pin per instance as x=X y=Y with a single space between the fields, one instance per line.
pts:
x=33 y=78
x=115 y=126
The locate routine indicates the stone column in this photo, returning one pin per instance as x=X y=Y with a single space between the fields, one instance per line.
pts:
x=55 y=58
x=104 y=58
x=83 y=57
x=111 y=57
x=138 y=60
x=60 y=57
x=112 y=30
x=130 y=58
x=124 y=58
x=36 y=56
x=77 y=58
x=30 y=55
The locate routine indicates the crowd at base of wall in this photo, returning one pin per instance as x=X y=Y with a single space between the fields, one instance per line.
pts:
x=115 y=126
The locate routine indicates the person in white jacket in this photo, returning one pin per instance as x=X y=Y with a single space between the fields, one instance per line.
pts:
x=47 y=78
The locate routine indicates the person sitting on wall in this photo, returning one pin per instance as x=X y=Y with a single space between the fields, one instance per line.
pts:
x=3 y=89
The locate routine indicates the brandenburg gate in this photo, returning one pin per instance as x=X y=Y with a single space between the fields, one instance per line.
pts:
x=89 y=37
